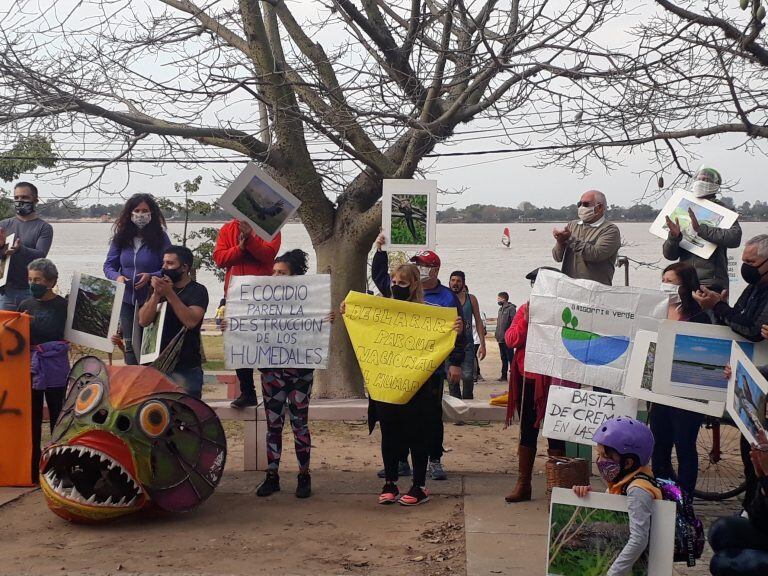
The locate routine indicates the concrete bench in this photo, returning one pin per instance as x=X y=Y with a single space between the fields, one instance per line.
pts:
x=322 y=409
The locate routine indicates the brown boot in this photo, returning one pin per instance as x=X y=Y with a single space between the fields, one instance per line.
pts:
x=522 y=491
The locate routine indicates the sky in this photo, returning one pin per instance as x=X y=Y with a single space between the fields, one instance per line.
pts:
x=502 y=179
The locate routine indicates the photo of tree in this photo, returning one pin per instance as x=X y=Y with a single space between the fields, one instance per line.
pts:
x=151 y=339
x=409 y=219
x=93 y=309
x=585 y=541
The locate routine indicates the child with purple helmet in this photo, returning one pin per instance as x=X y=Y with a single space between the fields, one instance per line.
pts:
x=624 y=448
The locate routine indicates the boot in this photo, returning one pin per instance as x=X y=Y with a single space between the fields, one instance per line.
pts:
x=522 y=491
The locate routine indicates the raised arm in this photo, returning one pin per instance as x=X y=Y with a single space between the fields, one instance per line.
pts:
x=728 y=238
x=604 y=247
x=41 y=247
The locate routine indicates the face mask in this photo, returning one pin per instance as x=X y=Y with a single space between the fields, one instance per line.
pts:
x=609 y=470
x=752 y=274
x=141 y=219
x=702 y=189
x=500 y=303
x=401 y=292
x=424 y=272
x=24 y=208
x=586 y=214
x=672 y=290
x=38 y=290
x=174 y=274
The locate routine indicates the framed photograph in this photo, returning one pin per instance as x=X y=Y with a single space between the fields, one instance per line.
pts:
x=747 y=396
x=639 y=380
x=409 y=214
x=256 y=197
x=6 y=260
x=93 y=311
x=706 y=212
x=587 y=534
x=691 y=358
x=152 y=337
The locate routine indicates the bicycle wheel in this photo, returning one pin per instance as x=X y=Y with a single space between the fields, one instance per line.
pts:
x=721 y=475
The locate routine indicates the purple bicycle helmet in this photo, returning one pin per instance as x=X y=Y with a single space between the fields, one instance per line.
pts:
x=626 y=436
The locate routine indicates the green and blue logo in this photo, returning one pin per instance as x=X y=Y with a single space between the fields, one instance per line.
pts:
x=588 y=347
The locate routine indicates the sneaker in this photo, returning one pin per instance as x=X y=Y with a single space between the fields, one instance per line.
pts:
x=389 y=494
x=403 y=469
x=415 y=496
x=243 y=402
x=270 y=485
x=436 y=471
x=304 y=485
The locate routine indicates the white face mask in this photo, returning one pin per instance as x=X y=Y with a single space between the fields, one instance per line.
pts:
x=672 y=290
x=586 y=214
x=424 y=272
x=702 y=189
x=141 y=219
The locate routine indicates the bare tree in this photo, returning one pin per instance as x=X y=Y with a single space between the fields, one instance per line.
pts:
x=699 y=71
x=389 y=82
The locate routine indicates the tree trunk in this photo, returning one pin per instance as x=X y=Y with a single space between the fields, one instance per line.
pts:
x=346 y=259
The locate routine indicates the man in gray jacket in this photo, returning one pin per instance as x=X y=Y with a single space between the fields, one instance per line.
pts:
x=507 y=312
x=712 y=271
x=588 y=247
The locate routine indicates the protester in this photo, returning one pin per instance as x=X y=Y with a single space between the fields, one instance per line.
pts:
x=477 y=340
x=527 y=397
x=291 y=387
x=49 y=350
x=507 y=312
x=187 y=301
x=470 y=314
x=32 y=240
x=751 y=309
x=435 y=294
x=624 y=448
x=220 y=311
x=712 y=271
x=675 y=427
x=135 y=256
x=242 y=253
x=588 y=247
x=741 y=544
x=406 y=427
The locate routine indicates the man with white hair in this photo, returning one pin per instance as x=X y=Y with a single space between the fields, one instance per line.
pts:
x=587 y=247
x=750 y=312
x=712 y=271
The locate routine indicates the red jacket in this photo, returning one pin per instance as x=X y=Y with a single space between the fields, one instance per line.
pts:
x=256 y=260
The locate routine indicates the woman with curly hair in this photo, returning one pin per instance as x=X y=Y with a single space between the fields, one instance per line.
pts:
x=135 y=255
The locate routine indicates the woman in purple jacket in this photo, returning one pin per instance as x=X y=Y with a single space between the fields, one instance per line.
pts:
x=135 y=255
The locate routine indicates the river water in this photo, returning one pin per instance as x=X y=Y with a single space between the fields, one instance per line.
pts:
x=474 y=248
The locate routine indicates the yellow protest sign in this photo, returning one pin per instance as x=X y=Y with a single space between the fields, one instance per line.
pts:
x=398 y=344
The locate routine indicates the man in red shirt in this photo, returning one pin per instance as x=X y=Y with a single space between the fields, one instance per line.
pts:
x=243 y=253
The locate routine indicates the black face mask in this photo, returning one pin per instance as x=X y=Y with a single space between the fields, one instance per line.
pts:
x=24 y=208
x=500 y=303
x=401 y=292
x=752 y=274
x=175 y=274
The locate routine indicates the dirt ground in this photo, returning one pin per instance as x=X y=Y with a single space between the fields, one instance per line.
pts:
x=339 y=530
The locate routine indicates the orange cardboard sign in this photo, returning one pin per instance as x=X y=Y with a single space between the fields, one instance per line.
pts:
x=15 y=401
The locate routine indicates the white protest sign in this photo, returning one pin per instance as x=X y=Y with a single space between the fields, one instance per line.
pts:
x=582 y=331
x=278 y=322
x=574 y=415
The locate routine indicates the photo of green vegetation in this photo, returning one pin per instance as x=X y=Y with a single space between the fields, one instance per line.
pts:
x=409 y=219
x=150 y=338
x=93 y=309
x=650 y=360
x=585 y=541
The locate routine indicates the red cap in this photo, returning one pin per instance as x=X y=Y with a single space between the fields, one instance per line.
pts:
x=426 y=258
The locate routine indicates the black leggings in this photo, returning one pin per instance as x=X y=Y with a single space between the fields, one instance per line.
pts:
x=739 y=548
x=529 y=434
x=54 y=398
x=406 y=427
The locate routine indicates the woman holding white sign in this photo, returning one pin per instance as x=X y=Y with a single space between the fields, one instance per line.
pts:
x=291 y=387
x=675 y=426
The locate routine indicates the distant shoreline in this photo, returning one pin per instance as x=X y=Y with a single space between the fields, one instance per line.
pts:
x=222 y=222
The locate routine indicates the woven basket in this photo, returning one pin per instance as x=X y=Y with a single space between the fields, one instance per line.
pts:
x=566 y=473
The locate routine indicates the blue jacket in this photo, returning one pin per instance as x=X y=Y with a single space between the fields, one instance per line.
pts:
x=438 y=296
x=129 y=263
